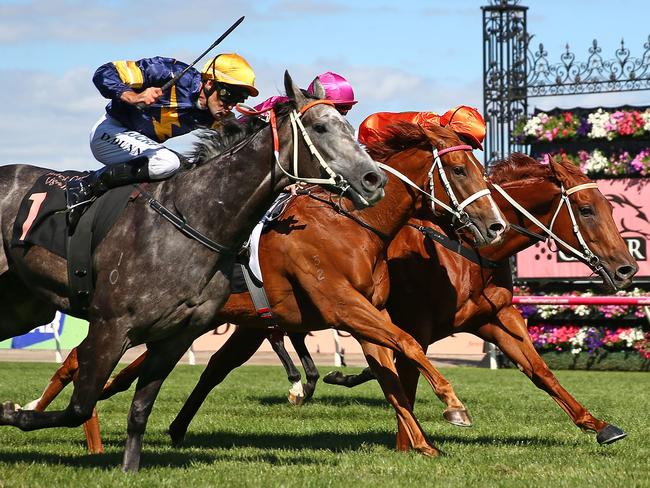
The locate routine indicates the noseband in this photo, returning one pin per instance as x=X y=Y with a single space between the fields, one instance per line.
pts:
x=456 y=209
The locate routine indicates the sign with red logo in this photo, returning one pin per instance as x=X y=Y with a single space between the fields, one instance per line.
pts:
x=631 y=201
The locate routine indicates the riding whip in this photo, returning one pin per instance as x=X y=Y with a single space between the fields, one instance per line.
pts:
x=168 y=85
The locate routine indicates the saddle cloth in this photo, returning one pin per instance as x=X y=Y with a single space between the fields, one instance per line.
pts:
x=41 y=218
x=238 y=284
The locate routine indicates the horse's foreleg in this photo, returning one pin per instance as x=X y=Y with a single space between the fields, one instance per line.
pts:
x=380 y=360
x=296 y=393
x=363 y=320
x=311 y=371
x=160 y=359
x=97 y=356
x=238 y=349
x=511 y=336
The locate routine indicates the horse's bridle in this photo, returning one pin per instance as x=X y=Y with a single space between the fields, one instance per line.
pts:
x=457 y=209
x=586 y=255
x=296 y=123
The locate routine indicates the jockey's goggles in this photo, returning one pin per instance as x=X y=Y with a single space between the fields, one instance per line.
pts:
x=231 y=95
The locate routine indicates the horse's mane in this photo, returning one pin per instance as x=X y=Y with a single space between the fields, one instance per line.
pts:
x=401 y=136
x=233 y=131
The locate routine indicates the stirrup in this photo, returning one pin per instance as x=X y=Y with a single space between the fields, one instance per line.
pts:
x=78 y=197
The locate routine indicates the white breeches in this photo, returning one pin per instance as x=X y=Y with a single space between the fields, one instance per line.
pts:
x=111 y=143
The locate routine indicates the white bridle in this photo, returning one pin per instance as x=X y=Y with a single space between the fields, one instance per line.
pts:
x=296 y=123
x=586 y=255
x=456 y=209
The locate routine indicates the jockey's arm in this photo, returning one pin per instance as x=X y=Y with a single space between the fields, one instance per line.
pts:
x=135 y=82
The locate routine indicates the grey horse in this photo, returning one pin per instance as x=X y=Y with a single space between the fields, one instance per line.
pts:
x=153 y=284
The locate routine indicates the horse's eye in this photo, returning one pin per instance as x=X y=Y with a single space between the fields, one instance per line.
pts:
x=586 y=211
x=459 y=170
x=320 y=128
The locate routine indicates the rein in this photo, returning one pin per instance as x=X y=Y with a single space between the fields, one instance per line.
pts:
x=458 y=248
x=586 y=255
x=457 y=209
x=181 y=224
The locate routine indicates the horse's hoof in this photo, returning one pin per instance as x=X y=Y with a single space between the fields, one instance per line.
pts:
x=333 y=378
x=176 y=436
x=296 y=400
x=9 y=409
x=459 y=417
x=610 y=433
x=429 y=451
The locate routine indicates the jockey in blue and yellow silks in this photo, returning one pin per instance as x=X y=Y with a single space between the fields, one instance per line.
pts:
x=140 y=117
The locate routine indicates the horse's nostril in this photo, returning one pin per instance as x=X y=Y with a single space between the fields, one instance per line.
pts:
x=626 y=271
x=371 y=180
x=497 y=228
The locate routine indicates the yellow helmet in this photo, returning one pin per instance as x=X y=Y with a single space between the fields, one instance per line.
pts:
x=231 y=69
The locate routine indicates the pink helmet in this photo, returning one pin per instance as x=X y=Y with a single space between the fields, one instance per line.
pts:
x=337 y=88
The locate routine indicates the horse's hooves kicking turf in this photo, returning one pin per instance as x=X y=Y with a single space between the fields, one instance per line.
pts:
x=458 y=417
x=610 y=434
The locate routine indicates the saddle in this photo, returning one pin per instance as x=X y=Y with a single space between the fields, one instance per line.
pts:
x=41 y=221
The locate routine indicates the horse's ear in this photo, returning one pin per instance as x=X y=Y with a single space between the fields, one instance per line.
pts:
x=293 y=92
x=318 y=89
x=560 y=171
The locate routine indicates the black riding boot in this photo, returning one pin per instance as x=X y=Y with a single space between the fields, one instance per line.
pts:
x=81 y=192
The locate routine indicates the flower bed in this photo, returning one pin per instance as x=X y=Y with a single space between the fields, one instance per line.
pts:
x=598 y=124
x=617 y=164
x=579 y=338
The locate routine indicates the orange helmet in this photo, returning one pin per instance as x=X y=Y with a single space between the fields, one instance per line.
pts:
x=466 y=121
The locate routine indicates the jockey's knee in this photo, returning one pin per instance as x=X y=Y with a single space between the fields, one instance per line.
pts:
x=162 y=164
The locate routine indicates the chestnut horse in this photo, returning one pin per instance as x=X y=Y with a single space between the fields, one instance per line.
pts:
x=153 y=284
x=325 y=265
x=439 y=293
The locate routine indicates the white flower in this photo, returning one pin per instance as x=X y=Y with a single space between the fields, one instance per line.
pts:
x=631 y=336
x=578 y=340
x=598 y=121
x=582 y=310
x=597 y=162
x=534 y=126
x=547 y=311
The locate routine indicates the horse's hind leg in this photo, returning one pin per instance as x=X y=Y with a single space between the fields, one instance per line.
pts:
x=349 y=380
x=511 y=336
x=311 y=371
x=296 y=393
x=238 y=349
x=97 y=356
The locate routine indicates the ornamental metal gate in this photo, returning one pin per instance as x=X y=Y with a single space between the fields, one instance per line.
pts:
x=513 y=73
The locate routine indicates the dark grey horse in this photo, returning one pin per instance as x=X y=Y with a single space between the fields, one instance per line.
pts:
x=154 y=285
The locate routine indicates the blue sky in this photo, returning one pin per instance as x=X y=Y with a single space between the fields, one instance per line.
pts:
x=407 y=55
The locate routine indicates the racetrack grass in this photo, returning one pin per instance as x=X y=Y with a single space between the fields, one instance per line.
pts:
x=248 y=435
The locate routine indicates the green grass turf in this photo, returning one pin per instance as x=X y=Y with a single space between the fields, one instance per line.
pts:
x=247 y=435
